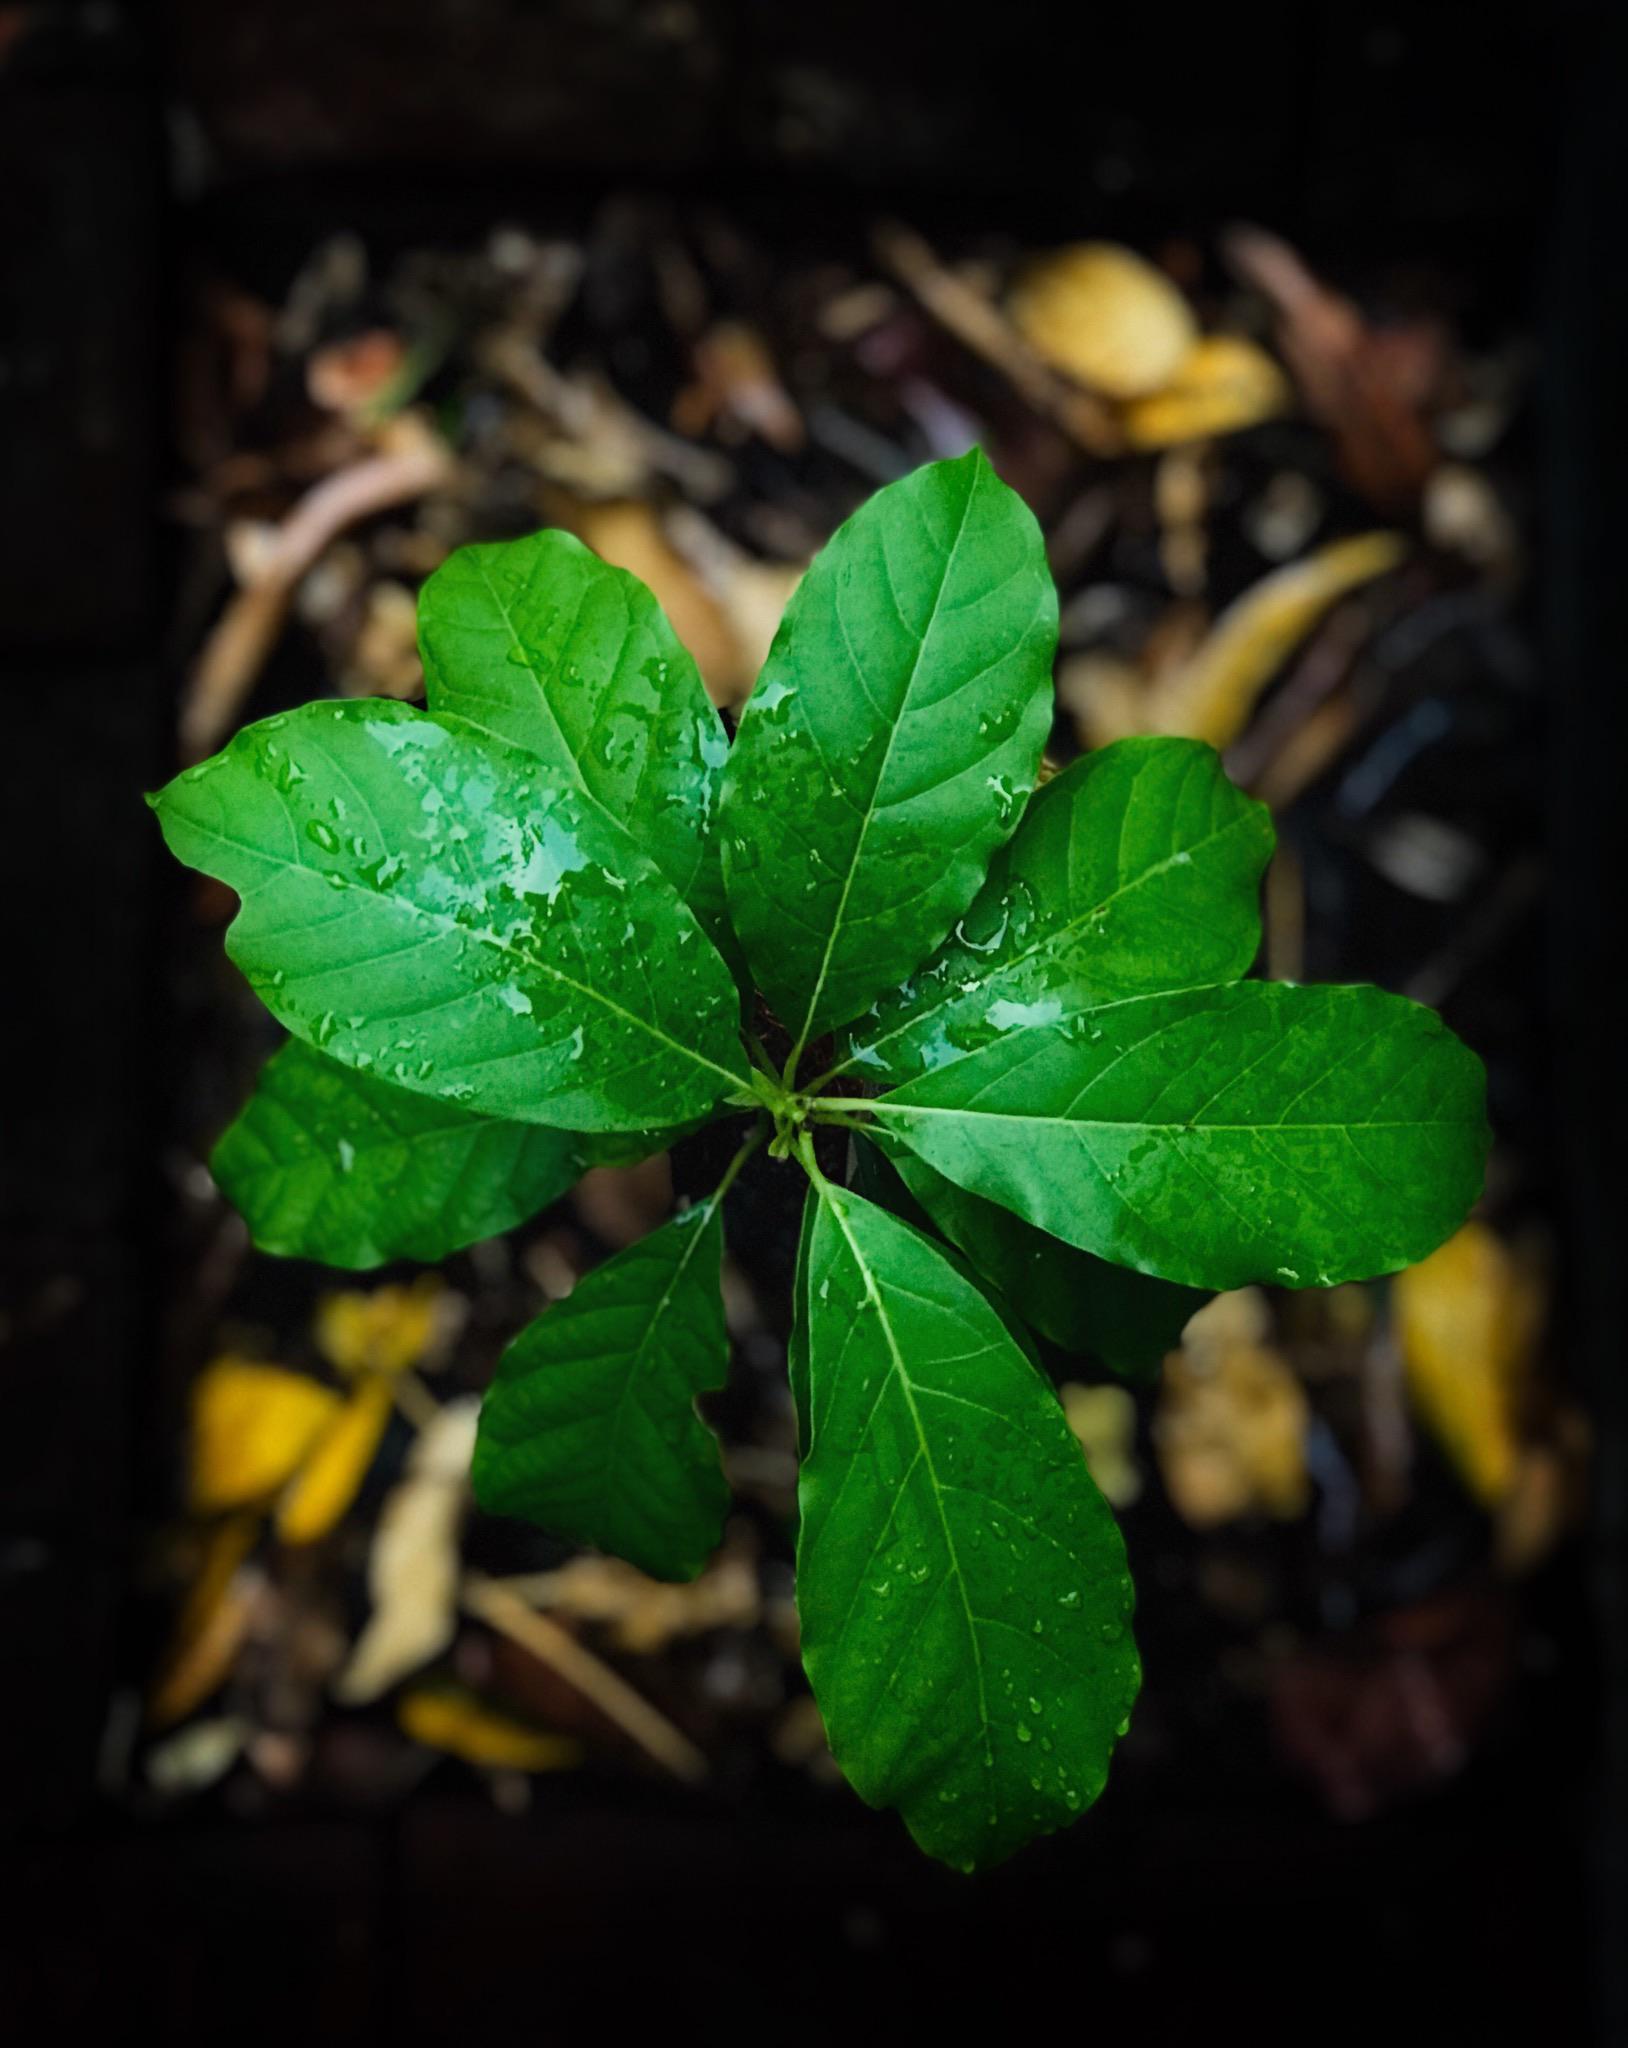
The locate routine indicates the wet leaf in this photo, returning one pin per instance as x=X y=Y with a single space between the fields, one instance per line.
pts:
x=964 y=1600
x=252 y=1426
x=1080 y=1302
x=891 y=740
x=1136 y=869
x=327 y=1163
x=539 y=644
x=1107 y=317
x=590 y=1427
x=1217 y=1136
x=442 y=912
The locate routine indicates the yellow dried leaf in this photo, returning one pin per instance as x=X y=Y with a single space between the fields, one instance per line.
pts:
x=252 y=1425
x=1222 y=385
x=210 y=1628
x=1104 y=1420
x=1466 y=1319
x=385 y=1330
x=1211 y=695
x=449 y=1719
x=1230 y=1432
x=1106 y=317
x=332 y=1475
x=630 y=535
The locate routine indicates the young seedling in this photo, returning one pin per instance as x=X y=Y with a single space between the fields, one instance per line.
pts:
x=518 y=933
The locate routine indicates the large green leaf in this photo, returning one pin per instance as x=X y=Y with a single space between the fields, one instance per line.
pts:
x=325 y=1163
x=1077 y=1301
x=540 y=644
x=442 y=911
x=962 y=1586
x=1135 y=870
x=1219 y=1136
x=590 y=1429
x=891 y=740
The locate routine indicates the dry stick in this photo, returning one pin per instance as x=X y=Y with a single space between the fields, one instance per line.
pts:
x=556 y=1647
x=237 y=649
x=980 y=326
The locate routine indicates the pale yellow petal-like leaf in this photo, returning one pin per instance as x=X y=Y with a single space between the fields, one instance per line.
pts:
x=414 y=1565
x=252 y=1425
x=1104 y=1420
x=1224 y=384
x=1105 y=316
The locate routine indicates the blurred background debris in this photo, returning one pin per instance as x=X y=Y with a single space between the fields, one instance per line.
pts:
x=1257 y=335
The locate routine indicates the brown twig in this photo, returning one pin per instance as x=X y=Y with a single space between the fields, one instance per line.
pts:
x=247 y=630
x=544 y=1639
x=980 y=326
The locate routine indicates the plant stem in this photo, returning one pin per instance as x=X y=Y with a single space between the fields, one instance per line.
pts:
x=758 y=1053
x=846 y=1119
x=754 y=1140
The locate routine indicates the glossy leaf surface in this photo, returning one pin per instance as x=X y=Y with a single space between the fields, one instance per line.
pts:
x=962 y=1586
x=442 y=912
x=1079 y=1302
x=891 y=740
x=1221 y=1136
x=541 y=645
x=590 y=1429
x=1137 y=869
x=323 y=1162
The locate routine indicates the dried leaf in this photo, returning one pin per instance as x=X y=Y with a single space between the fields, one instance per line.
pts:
x=384 y=659
x=1231 y=1427
x=450 y=1719
x=1222 y=385
x=211 y=1626
x=352 y=375
x=413 y=1568
x=252 y=1425
x=1211 y=696
x=738 y=385
x=1367 y=386
x=630 y=535
x=643 y=1614
x=339 y=1461
x=385 y=1330
x=1104 y=1420
x=1106 y=317
x=1467 y=1318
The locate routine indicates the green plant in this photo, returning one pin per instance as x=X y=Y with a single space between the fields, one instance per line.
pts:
x=516 y=934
